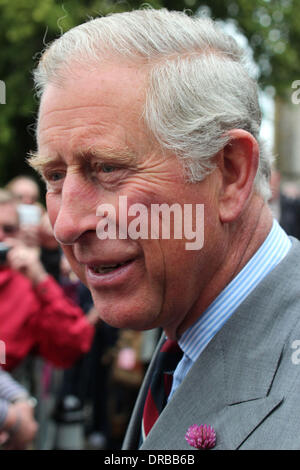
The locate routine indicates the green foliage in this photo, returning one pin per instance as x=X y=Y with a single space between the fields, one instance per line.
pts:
x=272 y=29
x=26 y=26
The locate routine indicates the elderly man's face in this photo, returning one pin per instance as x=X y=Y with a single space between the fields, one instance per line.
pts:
x=97 y=148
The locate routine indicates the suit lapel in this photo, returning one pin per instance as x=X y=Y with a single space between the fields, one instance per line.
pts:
x=237 y=422
x=207 y=395
x=230 y=385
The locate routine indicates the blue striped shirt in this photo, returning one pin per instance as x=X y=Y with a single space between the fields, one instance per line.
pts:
x=195 y=339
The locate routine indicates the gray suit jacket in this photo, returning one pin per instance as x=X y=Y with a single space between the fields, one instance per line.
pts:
x=246 y=383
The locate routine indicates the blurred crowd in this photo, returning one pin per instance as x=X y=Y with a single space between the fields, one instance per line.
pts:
x=67 y=379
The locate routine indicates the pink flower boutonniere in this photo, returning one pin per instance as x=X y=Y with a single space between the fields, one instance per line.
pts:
x=201 y=437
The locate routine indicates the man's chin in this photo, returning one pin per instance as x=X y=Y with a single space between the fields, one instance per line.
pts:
x=122 y=315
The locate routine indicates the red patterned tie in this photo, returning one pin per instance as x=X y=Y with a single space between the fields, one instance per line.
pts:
x=161 y=383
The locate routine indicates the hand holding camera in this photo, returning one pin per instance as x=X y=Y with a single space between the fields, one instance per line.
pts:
x=26 y=260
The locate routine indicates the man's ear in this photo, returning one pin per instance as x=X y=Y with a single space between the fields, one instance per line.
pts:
x=238 y=163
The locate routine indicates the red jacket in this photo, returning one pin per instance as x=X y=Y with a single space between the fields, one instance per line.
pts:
x=40 y=318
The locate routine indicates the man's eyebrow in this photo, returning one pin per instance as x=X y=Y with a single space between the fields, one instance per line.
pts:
x=121 y=157
x=38 y=161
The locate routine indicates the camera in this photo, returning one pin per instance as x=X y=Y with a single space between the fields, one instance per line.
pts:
x=29 y=214
x=4 y=249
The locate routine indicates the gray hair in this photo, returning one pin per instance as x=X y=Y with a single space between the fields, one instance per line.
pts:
x=198 y=87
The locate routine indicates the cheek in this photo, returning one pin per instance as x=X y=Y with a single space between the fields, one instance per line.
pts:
x=138 y=192
x=148 y=194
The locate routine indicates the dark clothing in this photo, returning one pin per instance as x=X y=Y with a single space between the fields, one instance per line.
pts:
x=290 y=215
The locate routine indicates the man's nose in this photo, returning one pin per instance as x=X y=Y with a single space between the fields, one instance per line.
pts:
x=77 y=211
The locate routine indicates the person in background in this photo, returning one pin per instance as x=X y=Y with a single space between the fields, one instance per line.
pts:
x=35 y=314
x=285 y=204
x=89 y=378
x=18 y=426
x=25 y=189
x=34 y=224
x=27 y=193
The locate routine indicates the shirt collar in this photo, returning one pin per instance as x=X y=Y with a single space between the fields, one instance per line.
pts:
x=270 y=253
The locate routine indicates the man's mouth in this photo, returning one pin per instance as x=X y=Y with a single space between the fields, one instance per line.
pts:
x=105 y=269
x=111 y=274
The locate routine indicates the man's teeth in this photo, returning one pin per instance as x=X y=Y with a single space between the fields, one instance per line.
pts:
x=107 y=268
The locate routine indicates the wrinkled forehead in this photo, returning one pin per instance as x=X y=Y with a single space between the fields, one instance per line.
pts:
x=107 y=101
x=84 y=84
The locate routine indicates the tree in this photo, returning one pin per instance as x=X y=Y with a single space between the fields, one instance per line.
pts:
x=26 y=26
